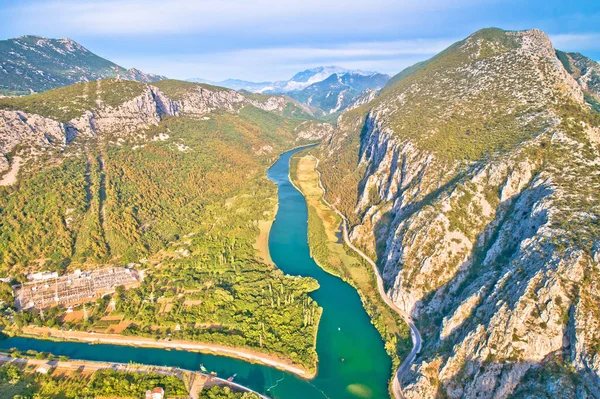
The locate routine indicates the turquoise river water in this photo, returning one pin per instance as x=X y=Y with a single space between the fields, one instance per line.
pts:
x=352 y=359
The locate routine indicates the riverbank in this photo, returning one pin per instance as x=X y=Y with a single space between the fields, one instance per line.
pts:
x=262 y=240
x=330 y=252
x=396 y=386
x=237 y=353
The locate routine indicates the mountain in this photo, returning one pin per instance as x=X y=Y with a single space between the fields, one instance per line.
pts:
x=338 y=92
x=471 y=179
x=34 y=64
x=297 y=82
x=331 y=88
x=587 y=73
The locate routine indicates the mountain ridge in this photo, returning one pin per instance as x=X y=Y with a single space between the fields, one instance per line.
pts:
x=469 y=178
x=35 y=63
x=330 y=88
x=299 y=81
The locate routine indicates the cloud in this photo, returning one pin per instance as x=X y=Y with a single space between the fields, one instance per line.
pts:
x=283 y=61
x=112 y=17
x=576 y=41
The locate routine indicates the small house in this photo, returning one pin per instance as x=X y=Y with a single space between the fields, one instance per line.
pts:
x=156 y=393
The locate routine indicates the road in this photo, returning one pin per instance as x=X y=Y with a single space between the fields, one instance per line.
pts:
x=414 y=332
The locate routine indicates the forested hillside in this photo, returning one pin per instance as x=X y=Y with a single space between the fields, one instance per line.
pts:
x=169 y=179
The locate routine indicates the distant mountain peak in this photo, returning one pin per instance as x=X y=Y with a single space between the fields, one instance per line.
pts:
x=331 y=88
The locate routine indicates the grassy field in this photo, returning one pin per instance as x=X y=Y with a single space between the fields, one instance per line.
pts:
x=327 y=248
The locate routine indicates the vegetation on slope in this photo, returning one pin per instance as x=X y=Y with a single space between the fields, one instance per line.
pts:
x=36 y=64
x=482 y=254
x=177 y=89
x=67 y=103
x=186 y=205
x=218 y=392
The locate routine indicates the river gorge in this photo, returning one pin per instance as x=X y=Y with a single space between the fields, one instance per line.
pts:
x=352 y=359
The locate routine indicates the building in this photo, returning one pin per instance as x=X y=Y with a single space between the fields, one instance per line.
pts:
x=41 y=276
x=156 y=393
x=74 y=288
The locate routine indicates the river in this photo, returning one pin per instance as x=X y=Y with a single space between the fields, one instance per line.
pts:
x=352 y=359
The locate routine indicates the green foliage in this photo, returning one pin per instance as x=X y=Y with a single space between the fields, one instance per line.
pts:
x=187 y=207
x=33 y=217
x=110 y=383
x=338 y=260
x=466 y=123
x=102 y=384
x=67 y=103
x=218 y=392
x=123 y=203
x=593 y=101
x=565 y=60
x=9 y=374
x=177 y=89
x=553 y=374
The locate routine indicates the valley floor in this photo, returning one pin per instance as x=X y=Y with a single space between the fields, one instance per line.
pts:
x=328 y=249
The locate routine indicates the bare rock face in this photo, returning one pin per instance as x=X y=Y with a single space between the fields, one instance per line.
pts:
x=368 y=96
x=31 y=132
x=202 y=101
x=273 y=103
x=312 y=131
x=18 y=127
x=136 y=114
x=492 y=247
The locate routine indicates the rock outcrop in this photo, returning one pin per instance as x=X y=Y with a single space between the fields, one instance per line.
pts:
x=27 y=133
x=475 y=192
x=313 y=130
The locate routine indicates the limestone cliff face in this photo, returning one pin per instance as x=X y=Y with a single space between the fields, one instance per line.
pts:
x=138 y=113
x=19 y=127
x=202 y=101
x=312 y=130
x=493 y=249
x=29 y=133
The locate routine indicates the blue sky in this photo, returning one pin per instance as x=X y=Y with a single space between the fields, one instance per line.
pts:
x=273 y=39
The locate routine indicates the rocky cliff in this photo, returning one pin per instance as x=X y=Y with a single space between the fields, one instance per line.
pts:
x=120 y=109
x=471 y=180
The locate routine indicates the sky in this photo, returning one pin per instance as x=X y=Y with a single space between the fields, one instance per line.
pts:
x=264 y=40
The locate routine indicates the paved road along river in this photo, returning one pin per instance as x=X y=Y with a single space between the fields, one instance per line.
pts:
x=352 y=359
